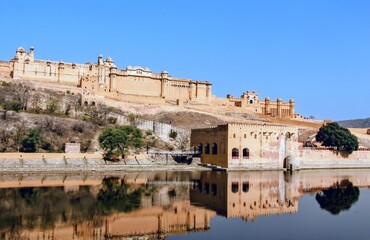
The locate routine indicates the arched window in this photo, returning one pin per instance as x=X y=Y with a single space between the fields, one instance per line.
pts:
x=214 y=148
x=207 y=149
x=200 y=147
x=245 y=186
x=245 y=153
x=86 y=103
x=235 y=153
x=288 y=135
x=93 y=104
x=235 y=187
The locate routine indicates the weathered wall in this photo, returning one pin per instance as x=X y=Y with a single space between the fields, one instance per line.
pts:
x=161 y=130
x=310 y=158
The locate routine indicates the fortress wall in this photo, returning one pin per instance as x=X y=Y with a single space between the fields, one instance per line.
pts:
x=50 y=72
x=138 y=86
x=5 y=69
x=177 y=90
x=311 y=159
x=201 y=92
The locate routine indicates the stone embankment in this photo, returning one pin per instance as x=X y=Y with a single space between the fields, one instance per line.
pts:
x=85 y=162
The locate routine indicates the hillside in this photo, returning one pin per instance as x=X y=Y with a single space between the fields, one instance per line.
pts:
x=355 y=123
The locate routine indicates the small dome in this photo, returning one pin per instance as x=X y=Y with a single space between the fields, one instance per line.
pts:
x=21 y=49
x=109 y=59
x=100 y=56
x=32 y=48
x=267 y=99
x=164 y=72
x=279 y=100
x=291 y=100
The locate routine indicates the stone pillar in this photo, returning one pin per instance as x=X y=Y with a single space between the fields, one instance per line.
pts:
x=291 y=108
x=267 y=106
x=60 y=71
x=112 y=79
x=208 y=91
x=164 y=76
x=191 y=91
x=32 y=54
x=279 y=101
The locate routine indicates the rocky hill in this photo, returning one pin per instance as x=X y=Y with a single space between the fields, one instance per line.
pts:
x=355 y=123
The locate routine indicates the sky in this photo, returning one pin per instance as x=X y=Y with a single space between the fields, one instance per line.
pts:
x=315 y=51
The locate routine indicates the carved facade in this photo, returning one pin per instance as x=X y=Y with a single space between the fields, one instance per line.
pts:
x=104 y=80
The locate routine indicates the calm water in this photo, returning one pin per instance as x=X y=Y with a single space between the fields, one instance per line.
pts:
x=187 y=205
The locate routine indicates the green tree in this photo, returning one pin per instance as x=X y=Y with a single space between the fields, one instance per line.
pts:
x=32 y=142
x=116 y=141
x=333 y=135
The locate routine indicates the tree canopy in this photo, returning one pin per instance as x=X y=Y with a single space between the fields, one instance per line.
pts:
x=333 y=135
x=116 y=141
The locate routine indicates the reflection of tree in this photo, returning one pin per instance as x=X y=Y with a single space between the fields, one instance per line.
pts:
x=339 y=197
x=43 y=207
x=115 y=197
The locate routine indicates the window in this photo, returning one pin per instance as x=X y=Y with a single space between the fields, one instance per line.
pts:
x=214 y=149
x=207 y=149
x=245 y=135
x=245 y=186
x=288 y=135
x=235 y=153
x=214 y=189
x=200 y=147
x=245 y=153
x=235 y=187
x=206 y=187
x=234 y=135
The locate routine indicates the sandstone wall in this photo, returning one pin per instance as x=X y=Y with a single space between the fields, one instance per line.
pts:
x=309 y=158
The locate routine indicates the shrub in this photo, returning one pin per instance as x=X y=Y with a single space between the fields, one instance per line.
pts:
x=173 y=134
x=13 y=106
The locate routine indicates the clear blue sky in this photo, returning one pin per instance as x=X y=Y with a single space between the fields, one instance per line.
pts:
x=315 y=51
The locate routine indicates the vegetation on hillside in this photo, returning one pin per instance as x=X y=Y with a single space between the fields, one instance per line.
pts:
x=333 y=135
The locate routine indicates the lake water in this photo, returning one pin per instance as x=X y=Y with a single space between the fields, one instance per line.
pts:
x=187 y=205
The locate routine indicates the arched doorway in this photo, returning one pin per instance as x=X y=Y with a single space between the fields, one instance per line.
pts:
x=288 y=164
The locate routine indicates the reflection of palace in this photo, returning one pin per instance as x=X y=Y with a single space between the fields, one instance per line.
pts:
x=164 y=208
x=151 y=205
x=244 y=194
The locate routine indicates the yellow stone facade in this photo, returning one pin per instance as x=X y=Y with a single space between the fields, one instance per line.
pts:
x=103 y=81
x=252 y=146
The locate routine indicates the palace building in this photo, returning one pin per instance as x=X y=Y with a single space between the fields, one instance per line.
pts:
x=104 y=81
x=250 y=146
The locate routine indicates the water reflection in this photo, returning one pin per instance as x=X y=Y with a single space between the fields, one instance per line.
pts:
x=339 y=197
x=244 y=194
x=159 y=204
